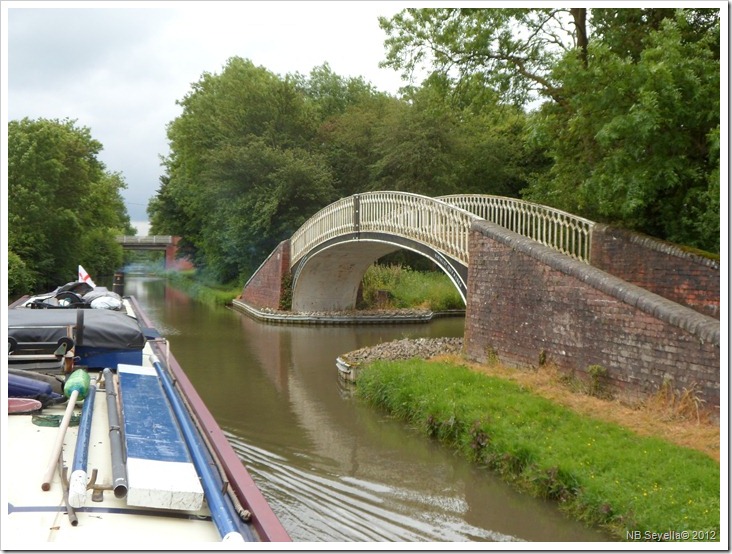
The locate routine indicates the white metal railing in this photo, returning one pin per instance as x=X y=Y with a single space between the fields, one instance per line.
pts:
x=145 y=240
x=421 y=218
x=562 y=231
x=412 y=216
x=442 y=223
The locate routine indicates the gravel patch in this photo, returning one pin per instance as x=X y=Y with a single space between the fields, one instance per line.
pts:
x=404 y=349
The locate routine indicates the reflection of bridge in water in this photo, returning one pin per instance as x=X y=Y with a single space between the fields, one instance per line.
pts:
x=163 y=243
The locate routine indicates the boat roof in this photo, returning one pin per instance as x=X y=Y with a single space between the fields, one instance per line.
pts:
x=36 y=517
x=164 y=507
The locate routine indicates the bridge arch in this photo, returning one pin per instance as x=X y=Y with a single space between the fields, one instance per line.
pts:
x=328 y=277
x=330 y=253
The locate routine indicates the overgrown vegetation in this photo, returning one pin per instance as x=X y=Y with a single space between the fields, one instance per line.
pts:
x=598 y=471
x=611 y=114
x=396 y=286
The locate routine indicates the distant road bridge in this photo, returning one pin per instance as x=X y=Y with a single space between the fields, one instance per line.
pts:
x=152 y=242
x=165 y=243
x=330 y=253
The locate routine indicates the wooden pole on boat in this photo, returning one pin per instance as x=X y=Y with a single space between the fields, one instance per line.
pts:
x=119 y=472
x=77 y=481
x=76 y=386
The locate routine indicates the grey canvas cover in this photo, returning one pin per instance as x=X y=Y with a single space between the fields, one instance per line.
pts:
x=102 y=328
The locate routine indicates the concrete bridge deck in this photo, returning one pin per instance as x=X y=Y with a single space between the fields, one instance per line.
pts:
x=164 y=243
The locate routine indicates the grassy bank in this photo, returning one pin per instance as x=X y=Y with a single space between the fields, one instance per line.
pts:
x=597 y=471
x=208 y=293
x=407 y=288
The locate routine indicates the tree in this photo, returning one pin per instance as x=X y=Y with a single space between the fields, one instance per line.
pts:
x=330 y=94
x=512 y=50
x=59 y=195
x=415 y=148
x=20 y=279
x=631 y=106
x=636 y=144
x=253 y=155
x=243 y=172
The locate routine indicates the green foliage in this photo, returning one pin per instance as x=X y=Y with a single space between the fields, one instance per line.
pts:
x=286 y=288
x=61 y=202
x=409 y=289
x=628 y=133
x=597 y=374
x=242 y=175
x=510 y=50
x=253 y=155
x=20 y=279
x=331 y=94
x=597 y=471
x=99 y=251
x=636 y=144
x=349 y=143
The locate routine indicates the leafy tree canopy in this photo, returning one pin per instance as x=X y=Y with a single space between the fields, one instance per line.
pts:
x=623 y=127
x=630 y=114
x=254 y=154
x=242 y=174
x=62 y=204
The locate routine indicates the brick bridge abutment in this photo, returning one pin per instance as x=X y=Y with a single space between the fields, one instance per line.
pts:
x=266 y=288
x=529 y=305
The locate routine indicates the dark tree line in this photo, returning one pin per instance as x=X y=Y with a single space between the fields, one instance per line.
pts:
x=612 y=114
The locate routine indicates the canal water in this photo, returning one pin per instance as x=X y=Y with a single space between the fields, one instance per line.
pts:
x=332 y=468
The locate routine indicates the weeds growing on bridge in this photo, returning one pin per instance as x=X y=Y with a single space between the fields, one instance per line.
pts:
x=600 y=472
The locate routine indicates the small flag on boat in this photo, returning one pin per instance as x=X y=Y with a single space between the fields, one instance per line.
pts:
x=84 y=277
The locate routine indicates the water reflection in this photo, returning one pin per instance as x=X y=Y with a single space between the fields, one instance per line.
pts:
x=332 y=468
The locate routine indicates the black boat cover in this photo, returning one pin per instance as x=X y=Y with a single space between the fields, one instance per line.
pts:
x=102 y=328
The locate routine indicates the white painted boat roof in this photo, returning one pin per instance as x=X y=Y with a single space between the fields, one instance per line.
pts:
x=35 y=517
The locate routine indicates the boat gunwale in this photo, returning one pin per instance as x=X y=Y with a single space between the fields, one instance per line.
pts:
x=264 y=520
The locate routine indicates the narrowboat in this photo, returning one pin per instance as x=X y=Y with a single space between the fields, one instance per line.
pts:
x=107 y=444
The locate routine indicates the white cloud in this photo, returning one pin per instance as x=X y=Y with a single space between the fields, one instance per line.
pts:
x=119 y=67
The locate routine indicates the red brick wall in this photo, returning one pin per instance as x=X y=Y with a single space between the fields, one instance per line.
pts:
x=171 y=259
x=264 y=288
x=527 y=303
x=660 y=267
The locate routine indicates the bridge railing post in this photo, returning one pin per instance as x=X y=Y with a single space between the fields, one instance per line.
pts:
x=356 y=214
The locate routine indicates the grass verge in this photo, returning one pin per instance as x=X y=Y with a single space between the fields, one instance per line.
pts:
x=211 y=294
x=598 y=471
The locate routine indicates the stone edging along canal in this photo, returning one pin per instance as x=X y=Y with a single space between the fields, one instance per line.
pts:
x=401 y=349
x=354 y=317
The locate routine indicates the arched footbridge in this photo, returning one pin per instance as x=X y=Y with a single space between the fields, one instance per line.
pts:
x=331 y=252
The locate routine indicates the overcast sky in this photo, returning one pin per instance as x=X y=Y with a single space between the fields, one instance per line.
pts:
x=119 y=67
